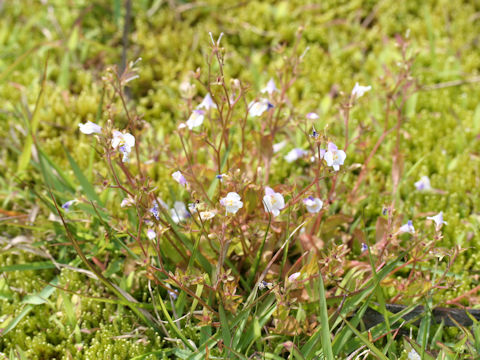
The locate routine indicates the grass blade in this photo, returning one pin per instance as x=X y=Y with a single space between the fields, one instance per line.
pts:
x=84 y=183
x=226 y=335
x=364 y=340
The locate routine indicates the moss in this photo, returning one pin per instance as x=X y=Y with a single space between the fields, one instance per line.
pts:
x=99 y=329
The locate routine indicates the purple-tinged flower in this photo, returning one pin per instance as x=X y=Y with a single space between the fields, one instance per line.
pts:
x=90 y=128
x=413 y=355
x=151 y=234
x=220 y=177
x=264 y=285
x=196 y=119
x=358 y=91
x=178 y=177
x=154 y=211
x=173 y=294
x=312 y=116
x=313 y=205
x=294 y=155
x=257 y=108
x=179 y=212
x=273 y=201
x=294 y=277
x=270 y=88
x=364 y=247
x=126 y=202
x=232 y=202
x=124 y=142
x=438 y=219
x=334 y=157
x=322 y=155
x=69 y=203
x=423 y=184
x=407 y=228
x=207 y=103
x=314 y=134
x=192 y=207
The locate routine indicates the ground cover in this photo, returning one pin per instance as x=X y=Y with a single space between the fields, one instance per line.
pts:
x=119 y=249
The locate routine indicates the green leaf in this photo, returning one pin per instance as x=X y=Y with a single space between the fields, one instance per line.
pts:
x=226 y=335
x=40 y=265
x=44 y=294
x=326 y=343
x=84 y=183
x=34 y=119
x=364 y=340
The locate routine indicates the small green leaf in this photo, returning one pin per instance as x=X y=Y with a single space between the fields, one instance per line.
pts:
x=84 y=183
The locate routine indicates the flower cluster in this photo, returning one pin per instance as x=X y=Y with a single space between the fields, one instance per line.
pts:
x=121 y=141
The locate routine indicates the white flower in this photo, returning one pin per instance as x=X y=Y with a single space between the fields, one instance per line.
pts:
x=257 y=108
x=178 y=176
x=207 y=103
x=334 y=157
x=232 y=202
x=364 y=247
x=151 y=234
x=196 y=119
x=124 y=142
x=294 y=155
x=314 y=205
x=312 y=116
x=358 y=91
x=128 y=201
x=407 y=228
x=187 y=90
x=207 y=215
x=413 y=355
x=90 y=128
x=423 y=184
x=273 y=201
x=279 y=146
x=294 y=277
x=438 y=219
x=179 y=212
x=270 y=88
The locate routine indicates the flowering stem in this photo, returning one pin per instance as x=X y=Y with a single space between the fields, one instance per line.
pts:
x=109 y=161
